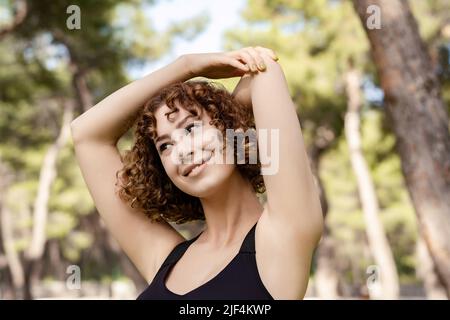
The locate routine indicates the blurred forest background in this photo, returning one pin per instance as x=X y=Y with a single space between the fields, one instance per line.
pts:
x=373 y=105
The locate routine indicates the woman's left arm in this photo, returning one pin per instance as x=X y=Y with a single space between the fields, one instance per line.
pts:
x=292 y=196
x=241 y=92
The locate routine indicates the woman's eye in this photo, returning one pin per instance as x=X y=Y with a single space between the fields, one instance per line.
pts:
x=192 y=126
x=163 y=147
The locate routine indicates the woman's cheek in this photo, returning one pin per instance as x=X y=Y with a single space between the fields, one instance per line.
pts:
x=171 y=168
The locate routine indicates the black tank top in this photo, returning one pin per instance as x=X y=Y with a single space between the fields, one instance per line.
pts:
x=239 y=280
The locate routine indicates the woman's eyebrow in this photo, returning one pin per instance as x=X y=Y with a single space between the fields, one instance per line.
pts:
x=182 y=122
x=163 y=137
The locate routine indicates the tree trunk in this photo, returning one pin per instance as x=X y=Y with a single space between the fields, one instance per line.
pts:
x=85 y=102
x=79 y=83
x=83 y=94
x=326 y=275
x=426 y=270
x=40 y=209
x=379 y=246
x=419 y=120
x=6 y=223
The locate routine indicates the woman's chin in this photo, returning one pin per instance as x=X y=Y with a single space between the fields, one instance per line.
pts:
x=203 y=187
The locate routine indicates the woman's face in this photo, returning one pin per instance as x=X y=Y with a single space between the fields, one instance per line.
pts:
x=190 y=151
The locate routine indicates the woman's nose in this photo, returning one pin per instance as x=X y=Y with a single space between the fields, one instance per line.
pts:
x=186 y=157
x=185 y=150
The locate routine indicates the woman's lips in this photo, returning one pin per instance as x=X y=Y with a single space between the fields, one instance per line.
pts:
x=195 y=169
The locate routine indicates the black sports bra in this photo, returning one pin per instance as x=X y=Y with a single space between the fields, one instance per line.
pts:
x=239 y=280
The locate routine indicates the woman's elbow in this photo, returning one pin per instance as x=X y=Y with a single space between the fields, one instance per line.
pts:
x=75 y=131
x=79 y=132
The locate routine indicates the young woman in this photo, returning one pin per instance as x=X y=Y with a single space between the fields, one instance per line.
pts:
x=246 y=250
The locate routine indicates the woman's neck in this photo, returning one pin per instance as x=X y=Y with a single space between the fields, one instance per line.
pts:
x=231 y=211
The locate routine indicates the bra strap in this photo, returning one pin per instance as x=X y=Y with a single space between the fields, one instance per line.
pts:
x=178 y=251
x=248 y=246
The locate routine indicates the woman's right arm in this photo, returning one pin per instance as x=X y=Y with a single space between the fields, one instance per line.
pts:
x=108 y=120
x=95 y=135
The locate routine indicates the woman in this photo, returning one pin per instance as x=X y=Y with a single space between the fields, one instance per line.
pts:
x=246 y=250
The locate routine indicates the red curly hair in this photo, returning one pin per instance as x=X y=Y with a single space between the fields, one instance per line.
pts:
x=143 y=182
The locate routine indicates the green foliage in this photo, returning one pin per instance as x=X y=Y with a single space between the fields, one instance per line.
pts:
x=345 y=217
x=37 y=65
x=315 y=41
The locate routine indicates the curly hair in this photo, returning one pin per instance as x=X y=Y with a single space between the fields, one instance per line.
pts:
x=143 y=182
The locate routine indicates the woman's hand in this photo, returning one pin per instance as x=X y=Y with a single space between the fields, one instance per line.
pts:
x=228 y=64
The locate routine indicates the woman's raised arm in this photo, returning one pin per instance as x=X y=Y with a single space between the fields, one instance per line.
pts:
x=108 y=120
x=95 y=134
x=292 y=196
x=292 y=223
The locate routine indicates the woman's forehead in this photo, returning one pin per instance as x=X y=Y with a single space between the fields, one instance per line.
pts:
x=168 y=119
x=164 y=114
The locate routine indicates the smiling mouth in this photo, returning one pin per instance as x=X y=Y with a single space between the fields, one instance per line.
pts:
x=194 y=169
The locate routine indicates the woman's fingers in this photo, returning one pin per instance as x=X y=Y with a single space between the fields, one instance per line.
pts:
x=237 y=64
x=252 y=57
x=257 y=58
x=248 y=59
x=270 y=52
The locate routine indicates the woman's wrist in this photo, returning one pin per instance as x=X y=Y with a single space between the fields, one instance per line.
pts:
x=185 y=62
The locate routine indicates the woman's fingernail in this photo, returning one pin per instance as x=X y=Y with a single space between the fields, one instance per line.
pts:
x=262 y=66
x=253 y=67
